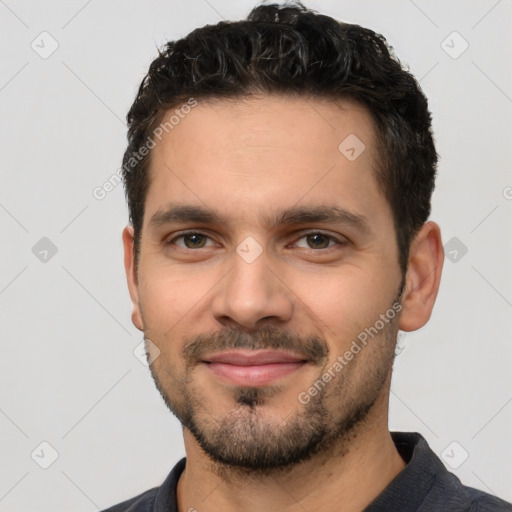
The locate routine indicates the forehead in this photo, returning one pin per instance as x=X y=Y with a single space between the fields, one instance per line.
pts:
x=251 y=127
x=244 y=156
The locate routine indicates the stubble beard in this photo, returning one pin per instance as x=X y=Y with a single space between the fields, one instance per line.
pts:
x=249 y=441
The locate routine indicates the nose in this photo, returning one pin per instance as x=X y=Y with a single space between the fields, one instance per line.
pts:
x=252 y=294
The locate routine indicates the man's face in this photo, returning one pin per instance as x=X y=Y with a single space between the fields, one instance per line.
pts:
x=262 y=273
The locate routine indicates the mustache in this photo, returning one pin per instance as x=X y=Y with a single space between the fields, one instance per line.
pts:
x=311 y=347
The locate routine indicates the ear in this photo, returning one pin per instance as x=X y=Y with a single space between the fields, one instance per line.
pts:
x=426 y=258
x=131 y=276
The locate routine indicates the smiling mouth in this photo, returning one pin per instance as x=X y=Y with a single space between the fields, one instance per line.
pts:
x=253 y=368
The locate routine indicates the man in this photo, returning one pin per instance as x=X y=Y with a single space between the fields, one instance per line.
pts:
x=279 y=175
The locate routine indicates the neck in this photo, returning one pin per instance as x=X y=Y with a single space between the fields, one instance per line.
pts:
x=346 y=478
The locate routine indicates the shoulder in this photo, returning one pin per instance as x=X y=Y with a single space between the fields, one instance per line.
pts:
x=448 y=493
x=480 y=501
x=428 y=486
x=159 y=498
x=141 y=503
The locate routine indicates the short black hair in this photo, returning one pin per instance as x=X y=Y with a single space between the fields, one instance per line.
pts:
x=292 y=50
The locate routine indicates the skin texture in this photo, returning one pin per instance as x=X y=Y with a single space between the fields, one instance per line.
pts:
x=260 y=447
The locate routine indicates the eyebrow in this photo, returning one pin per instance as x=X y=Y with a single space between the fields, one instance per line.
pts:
x=330 y=214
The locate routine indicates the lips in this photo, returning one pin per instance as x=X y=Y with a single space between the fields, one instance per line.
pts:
x=253 y=357
x=251 y=367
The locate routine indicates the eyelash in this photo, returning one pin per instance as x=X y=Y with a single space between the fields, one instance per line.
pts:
x=303 y=235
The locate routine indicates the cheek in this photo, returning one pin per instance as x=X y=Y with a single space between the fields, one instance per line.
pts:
x=167 y=295
x=165 y=304
x=341 y=303
x=174 y=304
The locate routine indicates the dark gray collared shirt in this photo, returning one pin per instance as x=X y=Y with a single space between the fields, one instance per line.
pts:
x=424 y=485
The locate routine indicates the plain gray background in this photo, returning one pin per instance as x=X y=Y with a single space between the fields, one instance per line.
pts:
x=69 y=376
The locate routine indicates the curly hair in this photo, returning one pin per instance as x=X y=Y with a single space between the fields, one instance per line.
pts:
x=289 y=49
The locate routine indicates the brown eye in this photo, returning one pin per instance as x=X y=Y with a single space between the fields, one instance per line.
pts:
x=318 y=241
x=191 y=240
x=194 y=240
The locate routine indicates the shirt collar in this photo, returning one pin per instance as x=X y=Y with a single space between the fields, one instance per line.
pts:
x=408 y=489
